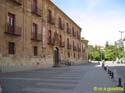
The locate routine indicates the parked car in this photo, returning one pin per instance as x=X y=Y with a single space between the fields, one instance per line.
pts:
x=122 y=60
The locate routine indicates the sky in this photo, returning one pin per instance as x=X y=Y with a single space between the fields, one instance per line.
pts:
x=100 y=20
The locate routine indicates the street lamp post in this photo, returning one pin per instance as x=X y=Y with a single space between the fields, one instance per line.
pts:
x=122 y=42
x=121 y=34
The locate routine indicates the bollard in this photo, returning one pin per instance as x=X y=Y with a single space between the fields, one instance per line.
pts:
x=109 y=72
x=124 y=87
x=106 y=68
x=0 y=89
x=112 y=75
x=119 y=82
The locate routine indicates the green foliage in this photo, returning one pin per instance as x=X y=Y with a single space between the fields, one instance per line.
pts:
x=110 y=52
x=95 y=53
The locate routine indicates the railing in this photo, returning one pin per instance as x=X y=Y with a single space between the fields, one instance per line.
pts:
x=16 y=30
x=79 y=49
x=18 y=2
x=37 y=11
x=68 y=30
x=69 y=46
x=62 y=44
x=39 y=37
x=83 y=50
x=51 y=20
x=51 y=41
x=36 y=37
x=74 y=48
x=61 y=26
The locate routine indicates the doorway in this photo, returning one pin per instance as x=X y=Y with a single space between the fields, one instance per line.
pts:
x=56 y=56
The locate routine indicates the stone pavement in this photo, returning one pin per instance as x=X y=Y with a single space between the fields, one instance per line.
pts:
x=94 y=79
x=118 y=69
x=73 y=79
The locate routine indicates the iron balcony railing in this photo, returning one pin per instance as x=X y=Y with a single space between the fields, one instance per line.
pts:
x=18 y=2
x=51 y=20
x=51 y=41
x=36 y=37
x=37 y=11
x=16 y=30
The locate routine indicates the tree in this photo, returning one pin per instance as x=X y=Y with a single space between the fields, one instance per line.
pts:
x=94 y=53
x=106 y=44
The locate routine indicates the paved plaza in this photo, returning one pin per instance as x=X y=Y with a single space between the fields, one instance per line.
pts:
x=85 y=78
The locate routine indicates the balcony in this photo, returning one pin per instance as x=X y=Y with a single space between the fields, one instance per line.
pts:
x=37 y=11
x=68 y=46
x=61 y=26
x=68 y=30
x=18 y=2
x=16 y=31
x=51 y=20
x=62 y=44
x=83 y=50
x=74 y=48
x=36 y=37
x=79 y=49
x=51 y=41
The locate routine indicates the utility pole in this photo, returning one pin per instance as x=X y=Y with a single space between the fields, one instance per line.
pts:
x=121 y=34
x=122 y=42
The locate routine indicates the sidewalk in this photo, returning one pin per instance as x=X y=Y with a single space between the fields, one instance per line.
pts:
x=94 y=79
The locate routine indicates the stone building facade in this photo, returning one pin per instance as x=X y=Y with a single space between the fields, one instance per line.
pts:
x=37 y=34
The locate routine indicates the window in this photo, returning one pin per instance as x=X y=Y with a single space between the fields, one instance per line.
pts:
x=11 y=48
x=73 y=31
x=67 y=25
x=67 y=42
x=49 y=15
x=34 y=31
x=68 y=54
x=49 y=36
x=74 y=55
x=78 y=55
x=35 y=49
x=34 y=6
x=60 y=40
x=10 y=22
x=60 y=22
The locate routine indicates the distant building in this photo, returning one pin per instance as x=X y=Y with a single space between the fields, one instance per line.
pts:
x=37 y=34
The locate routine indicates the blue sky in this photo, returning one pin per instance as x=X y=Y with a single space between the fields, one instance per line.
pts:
x=100 y=20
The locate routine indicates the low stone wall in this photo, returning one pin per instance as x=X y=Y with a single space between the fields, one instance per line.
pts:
x=13 y=64
x=74 y=62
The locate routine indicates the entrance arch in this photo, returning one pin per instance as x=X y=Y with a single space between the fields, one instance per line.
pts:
x=56 y=56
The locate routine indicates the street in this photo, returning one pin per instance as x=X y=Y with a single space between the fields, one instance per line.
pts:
x=70 y=79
